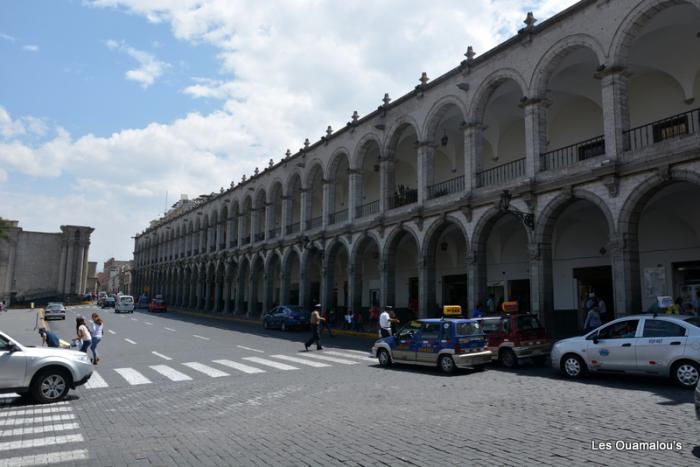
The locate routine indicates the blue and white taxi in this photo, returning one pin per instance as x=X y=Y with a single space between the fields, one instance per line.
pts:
x=446 y=343
x=660 y=345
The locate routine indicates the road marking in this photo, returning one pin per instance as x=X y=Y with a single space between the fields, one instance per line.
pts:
x=164 y=357
x=332 y=359
x=201 y=337
x=96 y=381
x=249 y=348
x=207 y=370
x=40 y=420
x=150 y=324
x=132 y=376
x=301 y=360
x=36 y=411
x=110 y=331
x=264 y=361
x=239 y=366
x=129 y=341
x=134 y=319
x=359 y=352
x=169 y=329
x=35 y=430
x=171 y=373
x=47 y=458
x=39 y=442
x=345 y=355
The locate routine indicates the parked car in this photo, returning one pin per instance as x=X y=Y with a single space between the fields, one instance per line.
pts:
x=143 y=302
x=446 y=343
x=55 y=310
x=514 y=337
x=124 y=304
x=101 y=297
x=660 y=345
x=45 y=373
x=108 y=302
x=157 y=304
x=286 y=317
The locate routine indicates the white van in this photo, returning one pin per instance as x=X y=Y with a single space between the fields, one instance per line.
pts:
x=124 y=303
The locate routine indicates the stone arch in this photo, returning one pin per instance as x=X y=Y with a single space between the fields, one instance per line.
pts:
x=295 y=175
x=432 y=234
x=634 y=22
x=547 y=218
x=389 y=260
x=488 y=86
x=394 y=133
x=438 y=110
x=360 y=243
x=358 y=155
x=315 y=166
x=332 y=254
x=484 y=225
x=551 y=59
x=335 y=159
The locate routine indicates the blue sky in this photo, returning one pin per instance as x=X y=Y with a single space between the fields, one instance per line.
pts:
x=106 y=105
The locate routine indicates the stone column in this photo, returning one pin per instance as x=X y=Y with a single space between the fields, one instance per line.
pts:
x=541 y=283
x=426 y=301
x=241 y=228
x=304 y=286
x=61 y=269
x=473 y=150
x=286 y=214
x=327 y=282
x=305 y=208
x=616 y=117
x=252 y=295
x=627 y=288
x=355 y=184
x=354 y=298
x=326 y=208
x=267 y=291
x=386 y=183
x=69 y=268
x=386 y=275
x=426 y=169
x=269 y=219
x=476 y=279
x=83 y=282
x=217 y=295
x=535 y=134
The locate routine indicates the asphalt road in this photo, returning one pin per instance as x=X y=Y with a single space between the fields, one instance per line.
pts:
x=177 y=390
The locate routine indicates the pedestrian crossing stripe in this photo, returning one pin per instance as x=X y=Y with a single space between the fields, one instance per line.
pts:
x=171 y=373
x=46 y=458
x=36 y=430
x=96 y=381
x=301 y=360
x=32 y=420
x=36 y=411
x=273 y=364
x=132 y=376
x=239 y=366
x=207 y=370
x=332 y=359
x=363 y=357
x=40 y=442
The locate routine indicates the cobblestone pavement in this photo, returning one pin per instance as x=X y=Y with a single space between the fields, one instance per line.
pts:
x=219 y=393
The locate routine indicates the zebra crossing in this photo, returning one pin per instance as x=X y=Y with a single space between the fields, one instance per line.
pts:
x=39 y=435
x=221 y=368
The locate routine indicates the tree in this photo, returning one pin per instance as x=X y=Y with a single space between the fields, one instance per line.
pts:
x=4 y=228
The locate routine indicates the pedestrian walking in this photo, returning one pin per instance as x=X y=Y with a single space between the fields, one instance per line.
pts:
x=592 y=320
x=96 y=332
x=491 y=304
x=478 y=310
x=83 y=334
x=315 y=321
x=385 y=321
x=49 y=338
x=2 y=306
x=348 y=320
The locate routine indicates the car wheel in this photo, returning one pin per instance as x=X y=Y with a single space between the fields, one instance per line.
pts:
x=508 y=358
x=50 y=385
x=572 y=366
x=446 y=364
x=540 y=359
x=686 y=374
x=384 y=358
x=284 y=327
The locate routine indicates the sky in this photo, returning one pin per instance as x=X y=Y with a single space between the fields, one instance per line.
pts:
x=109 y=109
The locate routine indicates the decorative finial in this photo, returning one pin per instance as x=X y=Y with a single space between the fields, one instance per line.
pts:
x=221 y=190
x=424 y=79
x=530 y=21
x=288 y=154
x=307 y=143
x=243 y=178
x=355 y=116
x=329 y=131
x=271 y=163
x=233 y=184
x=386 y=99
x=256 y=171
x=470 y=54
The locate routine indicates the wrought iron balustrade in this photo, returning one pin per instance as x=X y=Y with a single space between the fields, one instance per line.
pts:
x=367 y=209
x=403 y=196
x=572 y=154
x=501 y=174
x=686 y=123
x=453 y=185
x=338 y=216
x=314 y=223
x=245 y=240
x=293 y=228
x=259 y=237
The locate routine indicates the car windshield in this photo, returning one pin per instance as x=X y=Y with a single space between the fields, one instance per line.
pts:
x=490 y=326
x=694 y=320
x=467 y=329
x=528 y=322
x=126 y=300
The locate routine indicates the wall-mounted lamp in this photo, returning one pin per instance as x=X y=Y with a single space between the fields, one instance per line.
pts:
x=444 y=139
x=443 y=246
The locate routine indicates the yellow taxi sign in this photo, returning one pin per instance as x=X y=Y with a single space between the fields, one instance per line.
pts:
x=510 y=307
x=452 y=310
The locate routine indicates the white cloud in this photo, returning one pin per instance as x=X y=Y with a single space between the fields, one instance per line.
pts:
x=7 y=37
x=30 y=48
x=150 y=68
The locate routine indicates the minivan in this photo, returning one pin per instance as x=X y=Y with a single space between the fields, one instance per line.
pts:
x=125 y=303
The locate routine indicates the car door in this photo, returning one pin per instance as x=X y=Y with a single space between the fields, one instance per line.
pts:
x=426 y=343
x=403 y=351
x=273 y=317
x=615 y=347
x=662 y=341
x=13 y=365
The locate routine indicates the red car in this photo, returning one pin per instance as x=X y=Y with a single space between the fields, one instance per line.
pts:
x=514 y=337
x=157 y=304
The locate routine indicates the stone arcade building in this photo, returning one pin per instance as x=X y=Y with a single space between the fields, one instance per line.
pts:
x=565 y=160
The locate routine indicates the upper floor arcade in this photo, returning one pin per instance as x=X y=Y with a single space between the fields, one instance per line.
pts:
x=600 y=84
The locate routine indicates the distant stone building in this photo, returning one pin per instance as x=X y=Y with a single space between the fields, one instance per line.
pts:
x=116 y=276
x=38 y=266
x=91 y=285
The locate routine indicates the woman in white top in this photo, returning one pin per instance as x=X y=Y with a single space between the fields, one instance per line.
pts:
x=83 y=333
x=96 y=334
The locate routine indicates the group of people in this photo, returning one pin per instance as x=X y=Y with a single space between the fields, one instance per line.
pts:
x=88 y=335
x=596 y=311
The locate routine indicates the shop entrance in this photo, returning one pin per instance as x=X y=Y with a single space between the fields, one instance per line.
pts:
x=519 y=291
x=686 y=281
x=454 y=291
x=596 y=280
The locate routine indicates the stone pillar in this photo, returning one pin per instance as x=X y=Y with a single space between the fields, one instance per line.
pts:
x=386 y=183
x=386 y=275
x=252 y=295
x=241 y=228
x=626 y=272
x=83 y=282
x=355 y=184
x=426 y=169
x=473 y=150
x=425 y=301
x=616 y=117
x=61 y=269
x=305 y=208
x=476 y=279
x=286 y=214
x=69 y=268
x=217 y=295
x=269 y=219
x=541 y=283
x=304 y=285
x=354 y=298
x=327 y=282
x=326 y=208
x=535 y=135
x=268 y=287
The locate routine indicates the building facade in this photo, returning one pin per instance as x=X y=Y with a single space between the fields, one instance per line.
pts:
x=38 y=266
x=562 y=162
x=116 y=277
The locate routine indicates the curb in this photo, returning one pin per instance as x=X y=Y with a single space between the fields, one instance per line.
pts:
x=220 y=317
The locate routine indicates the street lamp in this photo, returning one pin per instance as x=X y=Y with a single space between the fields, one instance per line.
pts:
x=527 y=219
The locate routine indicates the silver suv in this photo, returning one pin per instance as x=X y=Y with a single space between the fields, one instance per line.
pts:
x=47 y=374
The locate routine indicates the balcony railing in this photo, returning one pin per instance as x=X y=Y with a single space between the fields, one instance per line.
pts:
x=196 y=251
x=338 y=216
x=314 y=223
x=403 y=196
x=571 y=155
x=682 y=124
x=259 y=237
x=274 y=233
x=453 y=185
x=189 y=252
x=293 y=228
x=367 y=209
x=502 y=173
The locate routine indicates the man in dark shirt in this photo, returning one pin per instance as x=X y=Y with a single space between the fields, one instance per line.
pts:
x=49 y=338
